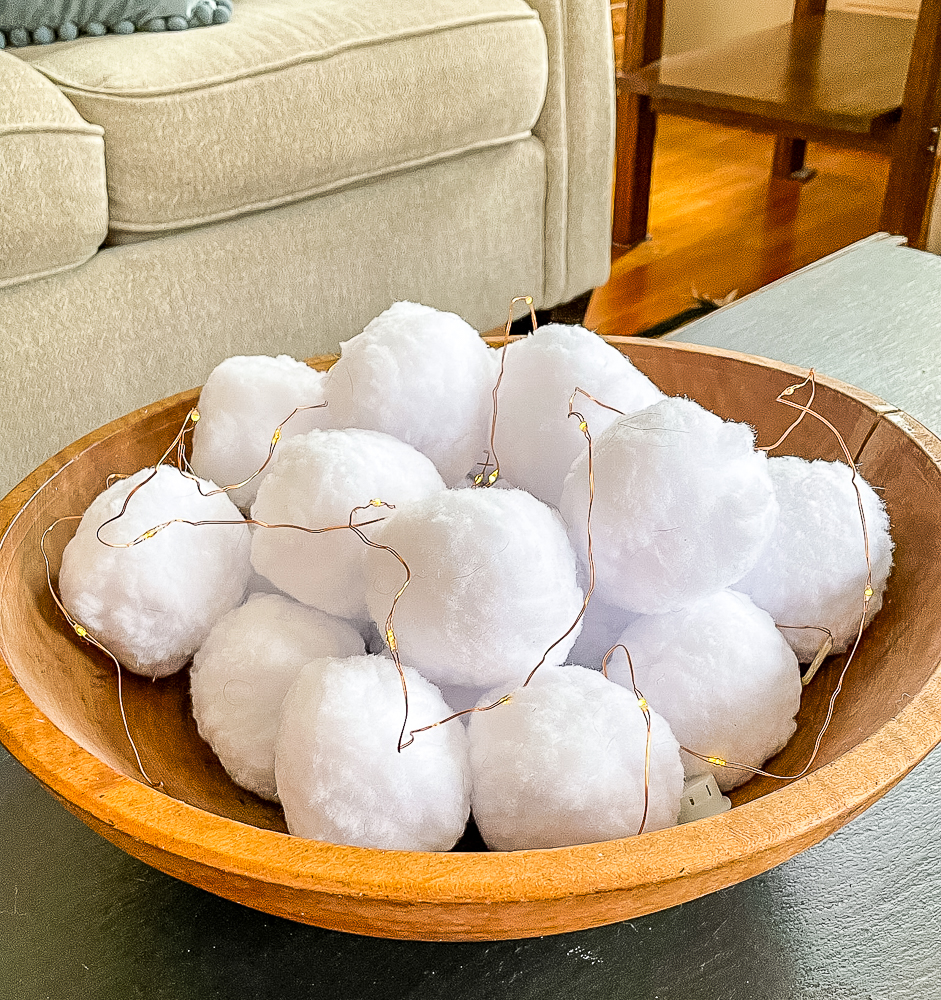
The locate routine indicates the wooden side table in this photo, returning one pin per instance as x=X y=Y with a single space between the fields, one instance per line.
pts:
x=860 y=81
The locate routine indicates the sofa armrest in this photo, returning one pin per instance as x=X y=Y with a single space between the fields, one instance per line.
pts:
x=55 y=201
x=577 y=128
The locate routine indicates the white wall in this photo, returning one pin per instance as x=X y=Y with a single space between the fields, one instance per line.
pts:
x=693 y=24
x=896 y=8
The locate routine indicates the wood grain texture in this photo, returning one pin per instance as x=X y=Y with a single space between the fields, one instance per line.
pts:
x=58 y=714
x=717 y=224
x=636 y=123
x=837 y=71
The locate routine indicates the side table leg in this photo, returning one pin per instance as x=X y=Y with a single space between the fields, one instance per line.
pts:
x=788 y=163
x=636 y=131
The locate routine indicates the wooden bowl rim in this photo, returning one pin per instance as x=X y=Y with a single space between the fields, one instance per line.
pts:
x=770 y=828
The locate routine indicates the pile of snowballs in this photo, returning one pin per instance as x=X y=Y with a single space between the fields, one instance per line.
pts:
x=700 y=543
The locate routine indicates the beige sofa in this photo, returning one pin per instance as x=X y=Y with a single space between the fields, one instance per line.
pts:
x=270 y=184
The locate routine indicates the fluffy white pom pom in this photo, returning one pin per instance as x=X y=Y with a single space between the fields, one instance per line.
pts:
x=423 y=376
x=562 y=763
x=242 y=672
x=340 y=776
x=722 y=675
x=493 y=585
x=683 y=506
x=536 y=441
x=813 y=569
x=316 y=481
x=154 y=603
x=243 y=401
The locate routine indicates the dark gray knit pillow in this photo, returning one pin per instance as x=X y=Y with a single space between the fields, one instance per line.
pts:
x=39 y=22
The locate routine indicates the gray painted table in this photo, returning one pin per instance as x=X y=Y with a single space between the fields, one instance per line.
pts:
x=857 y=916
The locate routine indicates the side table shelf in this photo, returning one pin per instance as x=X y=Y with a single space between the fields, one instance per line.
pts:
x=836 y=77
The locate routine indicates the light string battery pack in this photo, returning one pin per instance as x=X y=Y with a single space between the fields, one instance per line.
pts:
x=523 y=759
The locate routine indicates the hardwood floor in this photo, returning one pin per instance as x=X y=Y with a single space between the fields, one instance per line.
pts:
x=718 y=222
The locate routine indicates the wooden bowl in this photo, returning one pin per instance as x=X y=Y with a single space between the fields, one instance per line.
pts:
x=59 y=711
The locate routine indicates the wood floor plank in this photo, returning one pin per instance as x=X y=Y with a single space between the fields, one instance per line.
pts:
x=719 y=222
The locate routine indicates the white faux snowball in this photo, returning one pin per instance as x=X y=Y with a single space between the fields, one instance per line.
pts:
x=493 y=585
x=722 y=675
x=421 y=375
x=243 y=401
x=536 y=442
x=340 y=776
x=562 y=763
x=153 y=604
x=813 y=569
x=683 y=506
x=242 y=672
x=316 y=481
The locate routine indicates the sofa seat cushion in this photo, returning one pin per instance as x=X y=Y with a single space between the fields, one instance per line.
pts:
x=293 y=98
x=52 y=178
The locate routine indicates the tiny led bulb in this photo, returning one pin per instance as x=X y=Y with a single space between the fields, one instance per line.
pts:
x=80 y=631
x=643 y=704
x=276 y=437
x=717 y=761
x=869 y=592
x=194 y=415
x=390 y=640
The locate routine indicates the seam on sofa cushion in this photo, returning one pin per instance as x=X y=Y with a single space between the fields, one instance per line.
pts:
x=45 y=128
x=133 y=227
x=322 y=56
x=21 y=279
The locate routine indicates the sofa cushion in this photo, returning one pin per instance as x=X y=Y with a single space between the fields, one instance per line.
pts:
x=293 y=98
x=52 y=178
x=41 y=22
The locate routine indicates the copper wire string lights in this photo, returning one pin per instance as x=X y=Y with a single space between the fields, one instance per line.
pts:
x=487 y=477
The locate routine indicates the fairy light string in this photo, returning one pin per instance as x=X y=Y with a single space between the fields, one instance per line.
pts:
x=182 y=465
x=390 y=636
x=645 y=709
x=505 y=699
x=806 y=409
x=83 y=633
x=178 y=445
x=185 y=468
x=79 y=629
x=583 y=427
x=823 y=651
x=485 y=478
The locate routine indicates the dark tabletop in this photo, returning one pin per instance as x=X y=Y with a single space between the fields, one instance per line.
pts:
x=857 y=916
